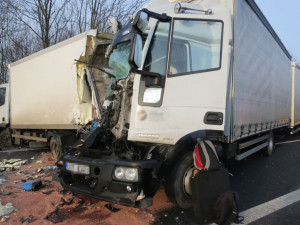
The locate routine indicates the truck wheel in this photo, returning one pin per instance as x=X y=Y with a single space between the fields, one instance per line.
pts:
x=271 y=145
x=55 y=146
x=177 y=185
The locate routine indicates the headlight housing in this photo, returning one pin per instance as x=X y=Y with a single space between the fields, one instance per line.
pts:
x=152 y=95
x=126 y=174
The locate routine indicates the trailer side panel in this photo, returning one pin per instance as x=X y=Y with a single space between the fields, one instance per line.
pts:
x=262 y=75
x=44 y=87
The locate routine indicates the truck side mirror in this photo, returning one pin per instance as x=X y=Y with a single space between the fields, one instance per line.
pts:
x=141 y=21
x=135 y=58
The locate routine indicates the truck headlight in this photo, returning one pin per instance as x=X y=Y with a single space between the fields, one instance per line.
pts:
x=126 y=174
x=152 y=95
x=119 y=173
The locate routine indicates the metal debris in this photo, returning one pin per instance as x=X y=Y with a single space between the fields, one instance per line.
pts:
x=111 y=208
x=4 y=219
x=55 y=217
x=47 y=192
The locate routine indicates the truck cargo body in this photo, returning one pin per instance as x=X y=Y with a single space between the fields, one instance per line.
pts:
x=49 y=92
x=210 y=69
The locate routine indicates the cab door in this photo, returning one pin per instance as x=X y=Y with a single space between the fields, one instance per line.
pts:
x=4 y=105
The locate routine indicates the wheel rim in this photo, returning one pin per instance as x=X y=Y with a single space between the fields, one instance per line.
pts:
x=54 y=149
x=271 y=144
x=186 y=181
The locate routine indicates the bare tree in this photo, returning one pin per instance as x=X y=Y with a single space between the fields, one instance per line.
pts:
x=94 y=14
x=31 y=25
x=45 y=18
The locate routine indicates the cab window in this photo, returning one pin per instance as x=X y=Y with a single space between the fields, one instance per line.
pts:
x=2 y=96
x=196 y=46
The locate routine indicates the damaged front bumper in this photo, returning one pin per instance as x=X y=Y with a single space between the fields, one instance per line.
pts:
x=97 y=179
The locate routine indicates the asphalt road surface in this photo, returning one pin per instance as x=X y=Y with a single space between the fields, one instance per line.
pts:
x=258 y=180
x=268 y=187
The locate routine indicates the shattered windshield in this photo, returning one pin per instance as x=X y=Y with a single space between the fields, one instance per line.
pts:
x=118 y=60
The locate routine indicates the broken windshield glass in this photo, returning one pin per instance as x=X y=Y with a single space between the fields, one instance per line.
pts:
x=118 y=60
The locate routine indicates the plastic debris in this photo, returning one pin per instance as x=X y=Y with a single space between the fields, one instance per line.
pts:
x=6 y=209
x=4 y=219
x=28 y=219
x=39 y=161
x=2 y=180
x=49 y=168
x=5 y=193
x=32 y=185
x=12 y=161
x=20 y=163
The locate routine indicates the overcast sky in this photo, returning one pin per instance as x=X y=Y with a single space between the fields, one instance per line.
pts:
x=285 y=19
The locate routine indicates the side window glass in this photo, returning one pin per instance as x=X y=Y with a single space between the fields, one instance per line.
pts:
x=2 y=96
x=196 y=46
x=156 y=59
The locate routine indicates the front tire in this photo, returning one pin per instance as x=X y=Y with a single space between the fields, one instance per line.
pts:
x=55 y=146
x=177 y=185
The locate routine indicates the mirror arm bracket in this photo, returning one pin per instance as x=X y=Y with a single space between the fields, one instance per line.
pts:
x=152 y=79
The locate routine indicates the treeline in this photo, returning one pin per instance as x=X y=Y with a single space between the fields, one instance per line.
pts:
x=28 y=26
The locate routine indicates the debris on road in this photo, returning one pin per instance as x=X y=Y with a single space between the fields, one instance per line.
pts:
x=6 y=209
x=4 y=219
x=111 y=208
x=51 y=203
x=12 y=164
x=2 y=180
x=32 y=185
x=28 y=219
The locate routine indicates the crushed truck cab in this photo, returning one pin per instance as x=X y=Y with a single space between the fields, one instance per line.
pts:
x=177 y=72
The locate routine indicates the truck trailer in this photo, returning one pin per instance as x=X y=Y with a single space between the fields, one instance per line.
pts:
x=46 y=100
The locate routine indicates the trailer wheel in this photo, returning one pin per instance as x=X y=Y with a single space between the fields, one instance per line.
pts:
x=55 y=146
x=177 y=185
x=271 y=145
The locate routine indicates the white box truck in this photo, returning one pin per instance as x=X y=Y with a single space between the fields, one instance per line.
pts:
x=44 y=100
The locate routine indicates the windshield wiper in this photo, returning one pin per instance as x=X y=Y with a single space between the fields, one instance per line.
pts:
x=101 y=68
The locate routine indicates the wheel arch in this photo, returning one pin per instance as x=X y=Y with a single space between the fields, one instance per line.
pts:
x=186 y=144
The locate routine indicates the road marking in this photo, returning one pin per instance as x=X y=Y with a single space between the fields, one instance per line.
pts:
x=272 y=206
x=23 y=150
x=287 y=142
